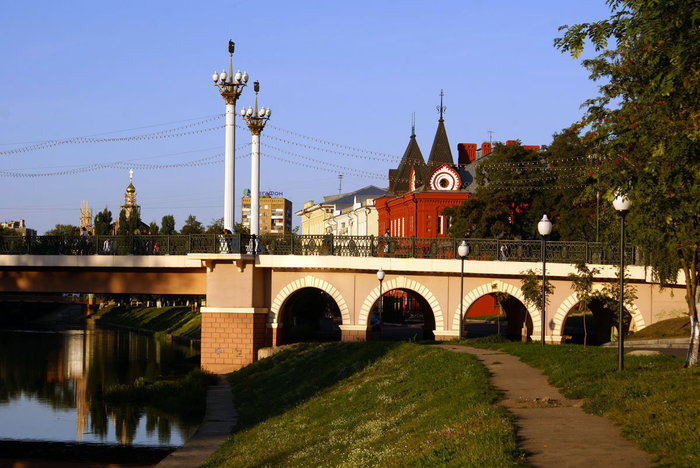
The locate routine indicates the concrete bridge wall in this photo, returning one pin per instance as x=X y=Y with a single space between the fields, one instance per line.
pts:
x=246 y=295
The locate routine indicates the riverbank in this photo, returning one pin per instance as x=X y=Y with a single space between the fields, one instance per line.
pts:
x=367 y=404
x=178 y=324
x=406 y=404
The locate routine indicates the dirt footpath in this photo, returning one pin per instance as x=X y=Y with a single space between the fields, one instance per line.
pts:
x=554 y=431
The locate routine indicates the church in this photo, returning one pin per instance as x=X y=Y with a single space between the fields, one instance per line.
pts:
x=130 y=208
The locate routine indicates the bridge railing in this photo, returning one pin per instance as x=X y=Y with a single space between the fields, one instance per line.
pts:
x=328 y=244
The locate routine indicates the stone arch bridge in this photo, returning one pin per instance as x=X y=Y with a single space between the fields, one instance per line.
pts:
x=246 y=294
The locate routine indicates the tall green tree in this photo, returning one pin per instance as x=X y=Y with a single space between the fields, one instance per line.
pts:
x=563 y=176
x=103 y=222
x=241 y=229
x=642 y=130
x=123 y=228
x=192 y=226
x=167 y=225
x=582 y=284
x=67 y=230
x=134 y=221
x=153 y=228
x=499 y=207
x=216 y=226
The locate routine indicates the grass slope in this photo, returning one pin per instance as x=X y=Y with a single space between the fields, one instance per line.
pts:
x=654 y=399
x=672 y=328
x=367 y=404
x=180 y=321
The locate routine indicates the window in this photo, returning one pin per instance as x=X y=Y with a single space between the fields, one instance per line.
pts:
x=440 y=221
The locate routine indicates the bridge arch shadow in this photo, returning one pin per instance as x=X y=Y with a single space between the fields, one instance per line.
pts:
x=407 y=304
x=514 y=306
x=603 y=319
x=307 y=309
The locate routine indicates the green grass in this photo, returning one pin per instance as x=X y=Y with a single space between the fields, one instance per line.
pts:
x=488 y=318
x=367 y=404
x=185 y=396
x=654 y=400
x=672 y=328
x=180 y=321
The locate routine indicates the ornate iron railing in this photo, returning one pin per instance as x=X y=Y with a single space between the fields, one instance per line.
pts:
x=328 y=244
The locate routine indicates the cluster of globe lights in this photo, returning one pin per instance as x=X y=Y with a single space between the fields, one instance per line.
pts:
x=238 y=77
x=261 y=113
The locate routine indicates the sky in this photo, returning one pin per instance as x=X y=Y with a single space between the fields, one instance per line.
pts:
x=342 y=80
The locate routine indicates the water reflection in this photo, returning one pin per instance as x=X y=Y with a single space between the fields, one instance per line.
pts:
x=51 y=385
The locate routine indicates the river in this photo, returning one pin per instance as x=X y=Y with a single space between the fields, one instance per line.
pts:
x=51 y=383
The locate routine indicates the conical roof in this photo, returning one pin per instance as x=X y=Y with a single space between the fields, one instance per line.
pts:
x=412 y=160
x=440 y=152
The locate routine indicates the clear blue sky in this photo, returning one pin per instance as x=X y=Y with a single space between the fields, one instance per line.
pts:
x=349 y=73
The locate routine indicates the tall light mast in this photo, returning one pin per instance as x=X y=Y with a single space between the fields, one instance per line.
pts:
x=256 y=120
x=230 y=86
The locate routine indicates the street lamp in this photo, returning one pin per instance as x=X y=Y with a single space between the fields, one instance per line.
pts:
x=622 y=205
x=545 y=228
x=462 y=251
x=230 y=86
x=256 y=120
x=380 y=277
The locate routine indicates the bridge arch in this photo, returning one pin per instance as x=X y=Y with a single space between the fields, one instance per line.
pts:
x=308 y=281
x=494 y=287
x=567 y=304
x=402 y=282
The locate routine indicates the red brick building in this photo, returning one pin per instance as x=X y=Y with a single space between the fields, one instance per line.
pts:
x=419 y=191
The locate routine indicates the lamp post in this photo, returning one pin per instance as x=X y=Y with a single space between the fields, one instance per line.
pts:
x=545 y=228
x=622 y=205
x=256 y=120
x=230 y=86
x=462 y=251
x=380 y=277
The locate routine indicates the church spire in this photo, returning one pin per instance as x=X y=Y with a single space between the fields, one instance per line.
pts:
x=440 y=153
x=441 y=108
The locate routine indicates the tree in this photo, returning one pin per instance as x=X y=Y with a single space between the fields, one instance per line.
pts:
x=216 y=226
x=192 y=226
x=168 y=225
x=609 y=297
x=517 y=184
x=582 y=284
x=563 y=177
x=66 y=230
x=8 y=232
x=532 y=289
x=153 y=228
x=499 y=207
x=643 y=127
x=240 y=229
x=103 y=222
x=134 y=221
x=123 y=229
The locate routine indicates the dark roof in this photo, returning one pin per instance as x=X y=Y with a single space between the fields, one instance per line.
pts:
x=344 y=200
x=440 y=152
x=412 y=159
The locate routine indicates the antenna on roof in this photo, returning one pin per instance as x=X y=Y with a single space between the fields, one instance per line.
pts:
x=413 y=124
x=340 y=184
x=490 y=132
x=441 y=109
